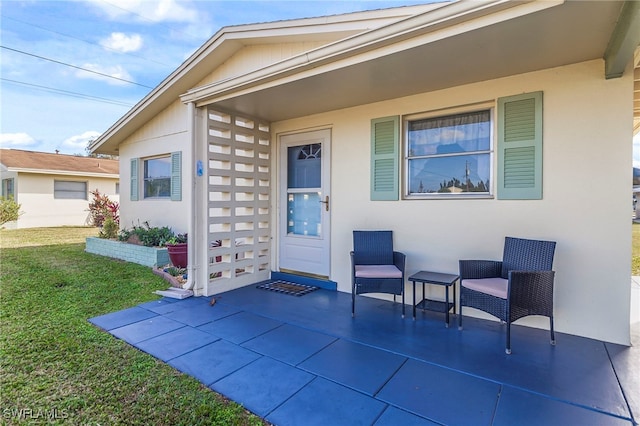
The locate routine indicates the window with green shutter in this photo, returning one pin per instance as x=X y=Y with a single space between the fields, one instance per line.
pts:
x=451 y=155
x=176 y=176
x=384 y=158
x=134 y=179
x=520 y=147
x=161 y=177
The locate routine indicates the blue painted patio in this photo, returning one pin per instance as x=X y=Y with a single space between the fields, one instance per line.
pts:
x=306 y=361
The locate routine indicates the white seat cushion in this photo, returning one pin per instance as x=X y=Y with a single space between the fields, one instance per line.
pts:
x=378 y=271
x=494 y=286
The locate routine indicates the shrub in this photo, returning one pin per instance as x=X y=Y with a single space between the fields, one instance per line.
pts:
x=109 y=229
x=147 y=235
x=101 y=208
x=9 y=210
x=177 y=239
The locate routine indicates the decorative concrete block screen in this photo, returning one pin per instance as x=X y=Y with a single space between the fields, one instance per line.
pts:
x=239 y=198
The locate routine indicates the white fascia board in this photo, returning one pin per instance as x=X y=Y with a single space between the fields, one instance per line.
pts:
x=444 y=22
x=63 y=173
x=230 y=39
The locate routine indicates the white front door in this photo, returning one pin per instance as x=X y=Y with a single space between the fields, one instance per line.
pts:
x=305 y=203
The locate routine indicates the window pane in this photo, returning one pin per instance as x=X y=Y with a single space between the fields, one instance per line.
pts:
x=157 y=177
x=71 y=190
x=458 y=133
x=157 y=187
x=450 y=174
x=304 y=214
x=7 y=188
x=304 y=166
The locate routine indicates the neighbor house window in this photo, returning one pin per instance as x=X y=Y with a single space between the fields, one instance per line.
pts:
x=7 y=188
x=449 y=155
x=69 y=190
x=157 y=177
x=117 y=188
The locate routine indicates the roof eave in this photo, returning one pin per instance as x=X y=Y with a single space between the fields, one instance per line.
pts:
x=450 y=19
x=225 y=42
x=63 y=173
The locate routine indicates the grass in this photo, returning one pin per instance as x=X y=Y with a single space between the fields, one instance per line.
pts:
x=57 y=368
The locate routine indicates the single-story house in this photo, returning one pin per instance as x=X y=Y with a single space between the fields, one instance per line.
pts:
x=452 y=124
x=54 y=189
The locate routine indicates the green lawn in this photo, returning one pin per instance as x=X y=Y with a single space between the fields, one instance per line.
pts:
x=55 y=367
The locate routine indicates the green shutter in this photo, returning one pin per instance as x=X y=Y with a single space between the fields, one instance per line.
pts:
x=176 y=176
x=520 y=147
x=384 y=158
x=134 y=179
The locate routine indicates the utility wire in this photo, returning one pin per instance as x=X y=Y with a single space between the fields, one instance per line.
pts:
x=74 y=66
x=85 y=41
x=68 y=93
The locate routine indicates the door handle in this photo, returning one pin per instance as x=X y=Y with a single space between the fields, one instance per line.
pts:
x=326 y=202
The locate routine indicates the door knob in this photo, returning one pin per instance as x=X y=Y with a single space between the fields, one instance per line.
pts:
x=326 y=202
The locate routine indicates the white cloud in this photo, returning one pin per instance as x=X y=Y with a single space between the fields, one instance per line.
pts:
x=116 y=71
x=144 y=10
x=16 y=140
x=79 y=142
x=122 y=42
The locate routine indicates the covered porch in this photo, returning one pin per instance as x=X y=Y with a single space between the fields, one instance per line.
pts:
x=305 y=360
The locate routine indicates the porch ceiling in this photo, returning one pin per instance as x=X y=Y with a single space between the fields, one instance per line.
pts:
x=557 y=35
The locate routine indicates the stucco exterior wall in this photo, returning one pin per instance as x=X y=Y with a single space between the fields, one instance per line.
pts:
x=34 y=192
x=585 y=206
x=165 y=134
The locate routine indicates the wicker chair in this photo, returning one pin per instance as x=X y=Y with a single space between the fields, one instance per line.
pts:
x=520 y=285
x=375 y=267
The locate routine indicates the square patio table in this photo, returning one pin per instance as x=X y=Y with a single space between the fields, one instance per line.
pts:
x=435 y=278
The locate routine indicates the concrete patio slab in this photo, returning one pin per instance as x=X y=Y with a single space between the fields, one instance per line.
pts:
x=263 y=385
x=323 y=402
x=289 y=344
x=305 y=361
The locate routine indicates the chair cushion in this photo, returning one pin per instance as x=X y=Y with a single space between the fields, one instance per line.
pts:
x=494 y=286
x=378 y=271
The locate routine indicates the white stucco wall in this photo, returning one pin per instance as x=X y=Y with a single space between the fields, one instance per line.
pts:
x=165 y=134
x=34 y=192
x=585 y=206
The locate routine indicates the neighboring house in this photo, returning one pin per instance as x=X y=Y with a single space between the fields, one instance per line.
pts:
x=54 y=189
x=452 y=124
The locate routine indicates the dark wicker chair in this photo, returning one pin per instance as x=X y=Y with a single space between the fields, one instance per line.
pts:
x=375 y=267
x=518 y=286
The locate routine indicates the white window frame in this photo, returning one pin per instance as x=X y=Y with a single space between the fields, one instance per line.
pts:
x=485 y=106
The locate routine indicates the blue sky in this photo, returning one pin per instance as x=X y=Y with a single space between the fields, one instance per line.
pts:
x=70 y=69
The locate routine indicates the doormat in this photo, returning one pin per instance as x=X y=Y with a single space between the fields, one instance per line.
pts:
x=287 y=288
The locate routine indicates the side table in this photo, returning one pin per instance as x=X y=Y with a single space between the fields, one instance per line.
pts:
x=437 y=278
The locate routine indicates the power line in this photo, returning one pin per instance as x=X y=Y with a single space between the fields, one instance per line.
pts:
x=68 y=93
x=85 y=41
x=74 y=66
